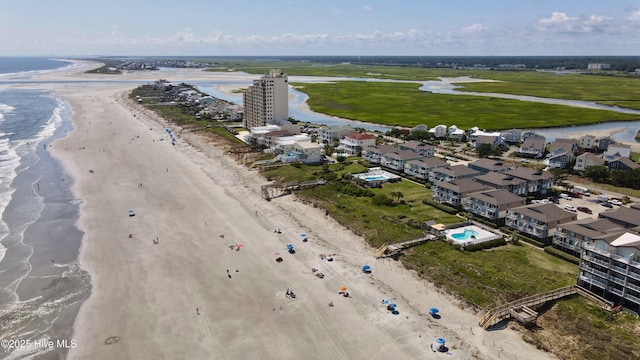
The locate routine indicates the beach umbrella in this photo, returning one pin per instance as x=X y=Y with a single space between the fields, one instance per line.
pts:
x=366 y=268
x=440 y=341
x=303 y=235
x=386 y=301
x=276 y=253
x=344 y=288
x=239 y=245
x=433 y=310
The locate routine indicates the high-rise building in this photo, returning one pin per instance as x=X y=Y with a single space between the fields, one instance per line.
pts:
x=266 y=101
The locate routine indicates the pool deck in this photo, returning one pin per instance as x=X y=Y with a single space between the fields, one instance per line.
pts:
x=483 y=235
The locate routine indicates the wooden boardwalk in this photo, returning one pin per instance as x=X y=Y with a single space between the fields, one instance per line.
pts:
x=393 y=249
x=271 y=191
x=521 y=309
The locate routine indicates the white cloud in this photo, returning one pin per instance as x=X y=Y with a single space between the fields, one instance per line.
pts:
x=556 y=18
x=474 y=29
x=634 y=15
x=367 y=8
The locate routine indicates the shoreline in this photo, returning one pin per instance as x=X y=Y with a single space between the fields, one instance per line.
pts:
x=174 y=299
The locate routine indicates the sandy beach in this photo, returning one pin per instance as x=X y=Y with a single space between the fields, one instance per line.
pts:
x=190 y=294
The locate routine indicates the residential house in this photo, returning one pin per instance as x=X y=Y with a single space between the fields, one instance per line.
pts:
x=453 y=192
x=439 y=131
x=514 y=185
x=623 y=164
x=421 y=127
x=570 y=236
x=610 y=267
x=492 y=205
x=353 y=144
x=397 y=159
x=333 y=134
x=475 y=133
x=538 y=182
x=616 y=151
x=373 y=154
x=308 y=152
x=495 y=141
x=512 y=136
x=529 y=134
x=562 y=152
x=450 y=173
x=603 y=143
x=418 y=147
x=538 y=221
x=487 y=165
x=587 y=142
x=585 y=160
x=455 y=133
x=533 y=147
x=421 y=168
x=270 y=139
x=285 y=143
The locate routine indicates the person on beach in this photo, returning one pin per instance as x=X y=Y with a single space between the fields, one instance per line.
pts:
x=197 y=311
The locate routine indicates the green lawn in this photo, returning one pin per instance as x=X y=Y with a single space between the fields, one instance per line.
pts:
x=403 y=104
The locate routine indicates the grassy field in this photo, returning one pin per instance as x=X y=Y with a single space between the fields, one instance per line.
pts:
x=403 y=104
x=493 y=277
x=377 y=223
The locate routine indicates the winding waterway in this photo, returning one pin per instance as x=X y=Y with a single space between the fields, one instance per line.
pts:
x=624 y=131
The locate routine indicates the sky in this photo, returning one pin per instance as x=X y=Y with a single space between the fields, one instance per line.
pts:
x=325 y=27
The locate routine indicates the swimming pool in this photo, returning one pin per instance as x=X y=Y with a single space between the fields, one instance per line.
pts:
x=376 y=178
x=470 y=234
x=466 y=234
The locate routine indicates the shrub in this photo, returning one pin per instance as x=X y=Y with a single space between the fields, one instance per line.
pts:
x=562 y=255
x=381 y=199
x=354 y=190
x=439 y=206
x=486 y=245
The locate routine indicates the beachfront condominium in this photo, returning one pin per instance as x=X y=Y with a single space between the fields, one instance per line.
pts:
x=266 y=101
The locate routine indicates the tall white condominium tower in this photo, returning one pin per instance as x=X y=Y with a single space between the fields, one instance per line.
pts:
x=266 y=101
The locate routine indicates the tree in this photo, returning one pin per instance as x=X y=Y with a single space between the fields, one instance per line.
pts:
x=484 y=150
x=598 y=173
x=397 y=195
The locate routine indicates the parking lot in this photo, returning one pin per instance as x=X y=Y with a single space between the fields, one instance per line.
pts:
x=589 y=202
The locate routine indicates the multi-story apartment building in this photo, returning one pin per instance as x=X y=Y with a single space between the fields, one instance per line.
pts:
x=538 y=221
x=266 y=101
x=511 y=183
x=397 y=159
x=570 y=236
x=610 y=267
x=373 y=154
x=492 y=204
x=538 y=182
x=421 y=168
x=451 y=173
x=333 y=134
x=418 y=147
x=454 y=192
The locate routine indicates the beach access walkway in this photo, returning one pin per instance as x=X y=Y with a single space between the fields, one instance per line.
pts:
x=271 y=191
x=393 y=249
x=522 y=309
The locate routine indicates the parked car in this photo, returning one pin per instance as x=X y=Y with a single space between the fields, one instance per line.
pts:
x=585 y=209
x=570 y=208
x=615 y=202
x=606 y=204
x=565 y=196
x=554 y=199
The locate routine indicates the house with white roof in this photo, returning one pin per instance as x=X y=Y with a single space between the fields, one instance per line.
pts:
x=439 y=131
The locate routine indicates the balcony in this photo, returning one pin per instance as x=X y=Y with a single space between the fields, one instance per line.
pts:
x=635 y=299
x=634 y=287
x=619 y=269
x=590 y=247
x=594 y=271
x=634 y=275
x=593 y=281
x=616 y=280
x=614 y=291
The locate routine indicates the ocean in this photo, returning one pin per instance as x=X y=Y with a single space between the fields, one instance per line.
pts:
x=41 y=283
